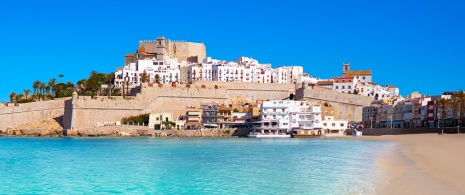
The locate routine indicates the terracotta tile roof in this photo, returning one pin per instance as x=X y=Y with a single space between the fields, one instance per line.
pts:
x=324 y=82
x=344 y=77
x=129 y=55
x=358 y=73
x=390 y=86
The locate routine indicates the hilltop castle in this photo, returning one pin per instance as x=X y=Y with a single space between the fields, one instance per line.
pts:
x=162 y=48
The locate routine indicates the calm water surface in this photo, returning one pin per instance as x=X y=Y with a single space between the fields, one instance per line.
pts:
x=187 y=166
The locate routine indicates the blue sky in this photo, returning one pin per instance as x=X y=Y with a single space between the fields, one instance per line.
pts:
x=414 y=45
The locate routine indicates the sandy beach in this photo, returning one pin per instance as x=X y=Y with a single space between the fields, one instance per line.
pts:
x=422 y=164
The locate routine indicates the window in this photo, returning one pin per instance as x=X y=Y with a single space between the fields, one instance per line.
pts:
x=158 y=119
x=324 y=124
x=337 y=87
x=283 y=110
x=155 y=63
x=342 y=124
x=348 y=87
x=343 y=87
x=333 y=124
x=363 y=78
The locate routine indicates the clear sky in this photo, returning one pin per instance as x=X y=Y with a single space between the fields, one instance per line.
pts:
x=414 y=45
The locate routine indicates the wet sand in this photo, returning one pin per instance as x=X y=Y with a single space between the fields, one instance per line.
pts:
x=422 y=164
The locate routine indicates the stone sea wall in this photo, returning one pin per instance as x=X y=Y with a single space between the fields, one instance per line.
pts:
x=16 y=114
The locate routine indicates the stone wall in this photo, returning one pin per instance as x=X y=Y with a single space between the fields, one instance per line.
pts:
x=84 y=112
x=87 y=112
x=349 y=105
x=18 y=114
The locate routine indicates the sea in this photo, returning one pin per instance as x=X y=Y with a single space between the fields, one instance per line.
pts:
x=189 y=166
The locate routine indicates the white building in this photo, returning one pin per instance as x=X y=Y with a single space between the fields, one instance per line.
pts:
x=284 y=116
x=157 y=71
x=332 y=127
x=345 y=84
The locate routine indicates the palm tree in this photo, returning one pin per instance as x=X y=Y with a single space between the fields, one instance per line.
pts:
x=123 y=83
x=12 y=96
x=441 y=105
x=36 y=86
x=459 y=104
x=41 y=88
x=18 y=97
x=26 y=92
x=110 y=79
x=47 y=90
x=127 y=87
x=52 y=83
x=61 y=76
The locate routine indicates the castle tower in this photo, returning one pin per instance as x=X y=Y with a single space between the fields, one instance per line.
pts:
x=345 y=67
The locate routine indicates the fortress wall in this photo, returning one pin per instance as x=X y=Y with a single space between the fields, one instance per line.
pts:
x=350 y=106
x=149 y=46
x=178 y=50
x=29 y=112
x=86 y=113
x=197 y=49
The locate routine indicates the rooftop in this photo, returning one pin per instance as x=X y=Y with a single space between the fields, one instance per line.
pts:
x=358 y=73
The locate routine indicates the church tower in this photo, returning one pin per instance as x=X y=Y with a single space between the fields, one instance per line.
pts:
x=162 y=50
x=345 y=67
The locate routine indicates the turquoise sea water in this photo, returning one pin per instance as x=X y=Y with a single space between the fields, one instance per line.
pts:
x=187 y=166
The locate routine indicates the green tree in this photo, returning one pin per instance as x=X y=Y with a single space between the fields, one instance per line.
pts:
x=41 y=88
x=459 y=104
x=127 y=87
x=145 y=78
x=168 y=124
x=12 y=96
x=35 y=86
x=18 y=97
x=110 y=80
x=157 y=79
x=61 y=76
x=95 y=81
x=441 y=105
x=51 y=83
x=47 y=90
x=82 y=86
x=26 y=92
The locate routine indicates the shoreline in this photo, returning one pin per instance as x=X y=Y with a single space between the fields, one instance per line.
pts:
x=421 y=164
x=413 y=164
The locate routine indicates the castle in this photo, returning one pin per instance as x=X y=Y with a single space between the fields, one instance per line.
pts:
x=178 y=76
x=162 y=48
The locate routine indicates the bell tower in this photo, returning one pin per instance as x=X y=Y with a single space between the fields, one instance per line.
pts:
x=161 y=48
x=345 y=67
